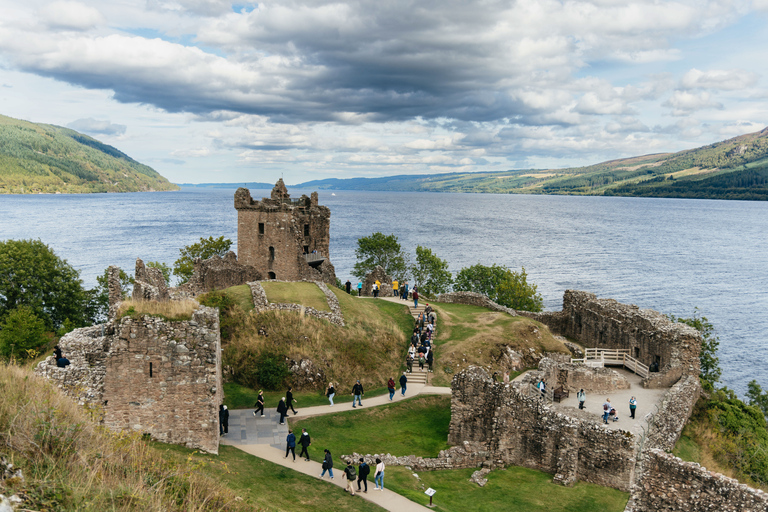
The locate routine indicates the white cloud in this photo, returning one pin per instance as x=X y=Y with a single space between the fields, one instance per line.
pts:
x=726 y=80
x=191 y=153
x=684 y=102
x=97 y=126
x=70 y=15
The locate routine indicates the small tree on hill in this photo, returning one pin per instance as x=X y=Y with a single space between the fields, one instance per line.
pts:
x=22 y=334
x=380 y=249
x=204 y=249
x=431 y=273
x=501 y=285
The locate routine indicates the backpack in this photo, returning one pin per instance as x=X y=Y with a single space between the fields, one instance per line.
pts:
x=351 y=473
x=606 y=407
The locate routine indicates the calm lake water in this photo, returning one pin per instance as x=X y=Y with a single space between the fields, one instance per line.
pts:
x=672 y=255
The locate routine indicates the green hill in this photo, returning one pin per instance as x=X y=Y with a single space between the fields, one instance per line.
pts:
x=733 y=169
x=37 y=158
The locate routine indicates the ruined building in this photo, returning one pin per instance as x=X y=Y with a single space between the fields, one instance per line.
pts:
x=283 y=238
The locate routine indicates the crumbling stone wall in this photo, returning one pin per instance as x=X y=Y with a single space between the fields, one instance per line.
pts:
x=217 y=273
x=149 y=283
x=385 y=280
x=274 y=234
x=474 y=299
x=515 y=428
x=335 y=316
x=650 y=336
x=148 y=375
x=673 y=412
x=670 y=485
x=577 y=376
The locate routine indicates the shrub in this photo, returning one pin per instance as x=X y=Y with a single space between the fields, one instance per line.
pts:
x=21 y=334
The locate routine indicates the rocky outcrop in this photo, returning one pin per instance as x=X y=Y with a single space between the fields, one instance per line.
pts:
x=217 y=273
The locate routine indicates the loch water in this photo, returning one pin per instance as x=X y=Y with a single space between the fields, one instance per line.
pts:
x=671 y=255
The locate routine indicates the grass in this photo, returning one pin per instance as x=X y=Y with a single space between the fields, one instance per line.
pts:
x=418 y=426
x=266 y=485
x=241 y=295
x=172 y=310
x=306 y=294
x=511 y=489
x=356 y=310
x=241 y=397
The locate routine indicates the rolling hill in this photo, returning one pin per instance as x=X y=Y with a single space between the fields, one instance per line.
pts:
x=733 y=169
x=43 y=158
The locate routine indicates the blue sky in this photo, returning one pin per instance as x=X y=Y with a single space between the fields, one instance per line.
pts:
x=210 y=91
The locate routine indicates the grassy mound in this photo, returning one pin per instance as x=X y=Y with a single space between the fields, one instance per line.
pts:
x=306 y=294
x=70 y=463
x=174 y=310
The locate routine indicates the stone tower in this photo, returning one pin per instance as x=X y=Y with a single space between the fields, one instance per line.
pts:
x=285 y=239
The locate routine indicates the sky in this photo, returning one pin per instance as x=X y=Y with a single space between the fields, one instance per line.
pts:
x=214 y=91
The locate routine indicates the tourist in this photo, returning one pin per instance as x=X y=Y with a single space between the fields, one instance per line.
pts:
x=327 y=464
x=506 y=376
x=607 y=410
x=427 y=309
x=405 y=291
x=223 y=420
x=581 y=397
x=259 y=404
x=330 y=392
x=290 y=445
x=409 y=363
x=357 y=393
x=378 y=478
x=359 y=289
x=282 y=409
x=403 y=382
x=422 y=360
x=412 y=351
x=289 y=400
x=62 y=362
x=348 y=286
x=391 y=388
x=351 y=474
x=543 y=388
x=430 y=360
x=395 y=291
x=56 y=352
x=376 y=290
x=304 y=441
x=363 y=470
x=632 y=407
x=415 y=297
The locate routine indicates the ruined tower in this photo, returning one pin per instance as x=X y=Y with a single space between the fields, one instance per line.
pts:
x=286 y=239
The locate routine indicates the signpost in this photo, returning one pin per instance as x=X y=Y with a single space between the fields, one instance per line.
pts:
x=430 y=492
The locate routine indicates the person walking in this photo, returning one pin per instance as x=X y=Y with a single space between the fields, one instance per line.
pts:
x=430 y=360
x=375 y=290
x=378 y=477
x=330 y=392
x=409 y=363
x=351 y=473
x=357 y=393
x=632 y=407
x=391 y=387
x=304 y=441
x=363 y=470
x=348 y=286
x=282 y=409
x=606 y=410
x=289 y=401
x=543 y=388
x=581 y=397
x=223 y=420
x=359 y=288
x=327 y=464
x=395 y=288
x=403 y=382
x=405 y=291
x=415 y=297
x=290 y=445
x=259 y=403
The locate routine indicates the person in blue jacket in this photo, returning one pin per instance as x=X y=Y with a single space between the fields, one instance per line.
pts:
x=291 y=446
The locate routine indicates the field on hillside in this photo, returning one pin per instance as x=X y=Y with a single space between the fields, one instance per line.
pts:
x=306 y=294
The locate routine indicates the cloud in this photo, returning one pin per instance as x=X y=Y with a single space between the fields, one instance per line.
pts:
x=724 y=80
x=191 y=153
x=97 y=126
x=70 y=16
x=684 y=103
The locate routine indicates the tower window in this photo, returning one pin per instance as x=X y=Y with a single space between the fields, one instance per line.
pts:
x=261 y=228
x=306 y=229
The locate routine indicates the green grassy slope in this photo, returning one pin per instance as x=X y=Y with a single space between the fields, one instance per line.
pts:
x=45 y=158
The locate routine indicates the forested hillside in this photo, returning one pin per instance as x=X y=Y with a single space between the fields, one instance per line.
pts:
x=45 y=158
x=733 y=169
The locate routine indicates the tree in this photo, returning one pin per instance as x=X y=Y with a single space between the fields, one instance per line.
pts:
x=22 y=334
x=204 y=249
x=380 y=249
x=32 y=275
x=501 y=285
x=431 y=273
x=710 y=363
x=757 y=397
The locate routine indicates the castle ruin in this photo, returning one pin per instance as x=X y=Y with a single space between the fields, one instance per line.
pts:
x=283 y=238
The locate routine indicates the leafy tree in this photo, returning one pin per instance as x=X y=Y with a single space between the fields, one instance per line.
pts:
x=22 y=334
x=32 y=275
x=710 y=363
x=431 y=273
x=204 y=249
x=501 y=285
x=165 y=269
x=757 y=397
x=380 y=249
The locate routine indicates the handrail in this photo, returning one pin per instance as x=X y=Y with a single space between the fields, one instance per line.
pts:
x=313 y=256
x=602 y=356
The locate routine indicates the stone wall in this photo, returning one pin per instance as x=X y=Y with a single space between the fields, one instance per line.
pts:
x=217 y=273
x=473 y=299
x=149 y=283
x=274 y=234
x=649 y=335
x=574 y=377
x=385 y=280
x=335 y=316
x=670 y=485
x=515 y=428
x=148 y=375
x=673 y=412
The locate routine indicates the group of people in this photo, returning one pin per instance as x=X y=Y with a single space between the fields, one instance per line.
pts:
x=420 y=348
x=359 y=474
x=61 y=361
x=609 y=411
x=401 y=291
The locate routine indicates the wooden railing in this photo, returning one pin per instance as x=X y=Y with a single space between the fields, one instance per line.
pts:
x=599 y=357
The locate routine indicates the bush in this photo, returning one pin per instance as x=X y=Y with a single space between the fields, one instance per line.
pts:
x=206 y=248
x=501 y=285
x=22 y=334
x=272 y=372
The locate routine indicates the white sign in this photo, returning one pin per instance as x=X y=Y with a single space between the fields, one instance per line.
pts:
x=430 y=492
